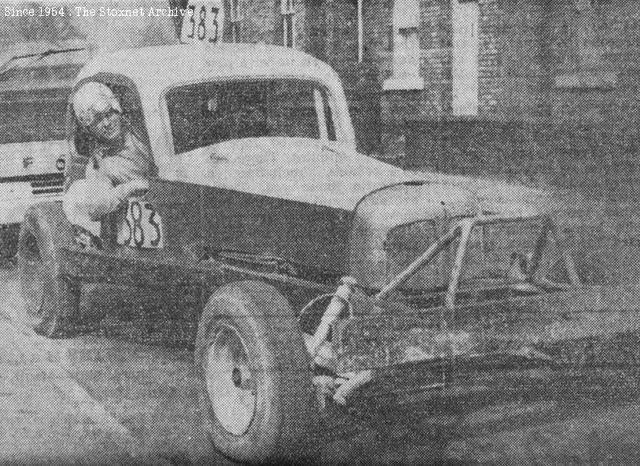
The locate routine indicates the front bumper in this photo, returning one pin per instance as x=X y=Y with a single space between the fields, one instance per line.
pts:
x=553 y=328
x=12 y=210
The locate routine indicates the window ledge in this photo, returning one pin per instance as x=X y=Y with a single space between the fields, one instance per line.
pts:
x=403 y=84
x=597 y=80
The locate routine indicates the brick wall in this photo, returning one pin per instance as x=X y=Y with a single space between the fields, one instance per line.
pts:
x=337 y=20
x=589 y=158
x=435 y=67
x=435 y=43
x=556 y=104
x=435 y=38
x=490 y=27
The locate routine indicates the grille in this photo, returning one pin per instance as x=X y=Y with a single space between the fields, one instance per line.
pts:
x=47 y=186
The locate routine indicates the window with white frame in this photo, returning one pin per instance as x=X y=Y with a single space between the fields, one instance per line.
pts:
x=287 y=11
x=406 y=47
x=236 y=15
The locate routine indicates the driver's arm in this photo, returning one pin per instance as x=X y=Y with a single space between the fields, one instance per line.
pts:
x=94 y=197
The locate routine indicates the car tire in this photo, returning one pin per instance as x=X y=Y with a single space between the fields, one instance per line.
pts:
x=256 y=394
x=50 y=298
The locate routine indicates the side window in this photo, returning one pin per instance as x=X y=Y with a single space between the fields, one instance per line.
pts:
x=131 y=112
x=82 y=143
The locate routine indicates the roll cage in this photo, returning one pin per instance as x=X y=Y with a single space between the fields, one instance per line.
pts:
x=461 y=232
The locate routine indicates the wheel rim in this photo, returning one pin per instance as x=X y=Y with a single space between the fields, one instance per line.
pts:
x=33 y=283
x=230 y=384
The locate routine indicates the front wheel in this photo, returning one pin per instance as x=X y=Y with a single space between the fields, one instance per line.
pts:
x=256 y=393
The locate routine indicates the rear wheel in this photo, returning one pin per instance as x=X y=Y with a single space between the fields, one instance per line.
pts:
x=256 y=393
x=50 y=299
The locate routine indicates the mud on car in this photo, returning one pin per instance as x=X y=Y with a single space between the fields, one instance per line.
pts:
x=319 y=274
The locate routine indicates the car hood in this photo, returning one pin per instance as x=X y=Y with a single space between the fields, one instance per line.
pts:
x=497 y=196
x=329 y=174
x=302 y=170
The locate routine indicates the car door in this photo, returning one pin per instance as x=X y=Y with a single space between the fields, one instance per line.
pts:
x=309 y=235
x=165 y=222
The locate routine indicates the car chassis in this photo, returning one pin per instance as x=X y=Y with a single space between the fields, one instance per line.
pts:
x=359 y=336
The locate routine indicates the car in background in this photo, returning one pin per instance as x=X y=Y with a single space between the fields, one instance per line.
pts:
x=35 y=83
x=36 y=76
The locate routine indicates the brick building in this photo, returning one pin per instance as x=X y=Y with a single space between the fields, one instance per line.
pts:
x=525 y=87
x=529 y=88
x=516 y=87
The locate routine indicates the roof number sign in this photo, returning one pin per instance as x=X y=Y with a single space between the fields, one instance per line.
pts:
x=203 y=22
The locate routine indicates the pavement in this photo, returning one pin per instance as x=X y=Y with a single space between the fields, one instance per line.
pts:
x=82 y=400
x=40 y=422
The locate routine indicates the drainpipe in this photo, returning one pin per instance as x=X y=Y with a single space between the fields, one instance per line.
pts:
x=360 y=33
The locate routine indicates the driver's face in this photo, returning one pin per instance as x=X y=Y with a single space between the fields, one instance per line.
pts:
x=107 y=126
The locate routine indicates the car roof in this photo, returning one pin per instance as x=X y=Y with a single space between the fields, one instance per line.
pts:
x=164 y=66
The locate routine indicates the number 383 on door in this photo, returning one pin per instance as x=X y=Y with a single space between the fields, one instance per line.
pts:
x=141 y=226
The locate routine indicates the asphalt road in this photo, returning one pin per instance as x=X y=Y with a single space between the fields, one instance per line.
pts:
x=124 y=395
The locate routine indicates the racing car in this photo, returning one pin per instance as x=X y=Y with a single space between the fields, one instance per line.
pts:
x=314 y=273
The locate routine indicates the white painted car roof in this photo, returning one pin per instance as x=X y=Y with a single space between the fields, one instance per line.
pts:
x=165 y=66
x=154 y=70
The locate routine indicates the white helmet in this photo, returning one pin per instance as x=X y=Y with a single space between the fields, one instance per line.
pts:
x=91 y=99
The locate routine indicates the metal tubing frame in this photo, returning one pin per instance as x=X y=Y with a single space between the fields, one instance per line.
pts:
x=463 y=229
x=419 y=263
x=466 y=226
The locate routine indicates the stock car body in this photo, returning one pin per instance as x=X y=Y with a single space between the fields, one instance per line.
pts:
x=314 y=273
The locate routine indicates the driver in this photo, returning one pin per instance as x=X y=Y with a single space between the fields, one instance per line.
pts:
x=119 y=165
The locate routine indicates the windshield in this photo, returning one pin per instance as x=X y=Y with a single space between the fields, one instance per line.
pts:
x=34 y=89
x=44 y=70
x=209 y=113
